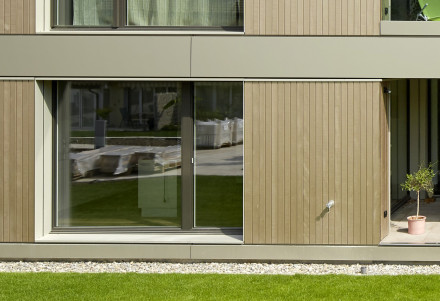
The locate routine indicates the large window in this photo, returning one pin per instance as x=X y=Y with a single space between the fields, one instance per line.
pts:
x=167 y=155
x=211 y=14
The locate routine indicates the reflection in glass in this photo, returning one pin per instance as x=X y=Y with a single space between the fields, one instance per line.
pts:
x=119 y=154
x=219 y=154
x=84 y=13
x=404 y=10
x=189 y=13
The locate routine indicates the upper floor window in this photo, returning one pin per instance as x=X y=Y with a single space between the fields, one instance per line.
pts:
x=151 y=14
x=411 y=10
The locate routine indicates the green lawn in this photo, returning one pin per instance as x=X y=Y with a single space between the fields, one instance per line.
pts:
x=215 y=287
x=115 y=203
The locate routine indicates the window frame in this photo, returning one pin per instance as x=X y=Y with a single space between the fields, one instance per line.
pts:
x=120 y=22
x=45 y=192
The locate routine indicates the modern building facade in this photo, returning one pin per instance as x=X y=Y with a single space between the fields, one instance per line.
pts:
x=213 y=129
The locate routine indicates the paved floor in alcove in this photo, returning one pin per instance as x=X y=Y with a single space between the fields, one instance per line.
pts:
x=399 y=225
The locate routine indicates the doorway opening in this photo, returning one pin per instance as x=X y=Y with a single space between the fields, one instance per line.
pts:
x=414 y=139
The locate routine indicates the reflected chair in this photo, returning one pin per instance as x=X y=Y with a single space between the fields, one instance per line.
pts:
x=430 y=10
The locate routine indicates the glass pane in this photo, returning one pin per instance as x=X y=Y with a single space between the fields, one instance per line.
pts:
x=84 y=13
x=219 y=155
x=118 y=164
x=190 y=13
x=408 y=10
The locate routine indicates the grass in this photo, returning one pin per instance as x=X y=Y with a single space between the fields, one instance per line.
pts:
x=115 y=203
x=70 y=286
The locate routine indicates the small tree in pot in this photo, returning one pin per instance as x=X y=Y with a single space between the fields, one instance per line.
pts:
x=418 y=181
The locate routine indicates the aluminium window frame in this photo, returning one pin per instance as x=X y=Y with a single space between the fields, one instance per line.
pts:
x=120 y=22
x=187 y=176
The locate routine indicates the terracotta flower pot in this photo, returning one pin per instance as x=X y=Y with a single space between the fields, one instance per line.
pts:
x=416 y=225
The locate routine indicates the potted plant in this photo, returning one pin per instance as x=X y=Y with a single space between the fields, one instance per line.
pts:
x=418 y=181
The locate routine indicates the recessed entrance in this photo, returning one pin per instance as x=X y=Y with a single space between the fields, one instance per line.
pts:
x=414 y=139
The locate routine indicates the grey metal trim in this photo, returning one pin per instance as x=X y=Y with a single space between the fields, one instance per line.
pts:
x=216 y=56
x=247 y=253
x=187 y=132
x=409 y=28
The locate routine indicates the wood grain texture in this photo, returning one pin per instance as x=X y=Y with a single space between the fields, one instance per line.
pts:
x=312 y=142
x=17 y=16
x=313 y=17
x=17 y=161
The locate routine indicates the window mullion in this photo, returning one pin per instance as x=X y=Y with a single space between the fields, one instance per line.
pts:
x=118 y=13
x=187 y=134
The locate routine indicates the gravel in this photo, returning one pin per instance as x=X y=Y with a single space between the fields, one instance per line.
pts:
x=217 y=268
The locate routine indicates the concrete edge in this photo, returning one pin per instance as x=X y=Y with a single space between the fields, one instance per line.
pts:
x=224 y=253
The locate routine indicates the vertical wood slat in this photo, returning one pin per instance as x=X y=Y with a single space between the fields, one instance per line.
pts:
x=338 y=18
x=282 y=22
x=19 y=162
x=255 y=158
x=293 y=163
x=313 y=17
x=363 y=135
x=306 y=162
x=250 y=19
x=17 y=16
x=325 y=17
x=314 y=142
x=30 y=128
x=338 y=162
x=268 y=147
x=274 y=163
x=377 y=217
x=370 y=164
x=318 y=158
x=2 y=16
x=300 y=163
x=281 y=164
x=7 y=16
x=287 y=160
x=344 y=165
x=350 y=163
x=16 y=161
x=310 y=17
x=325 y=161
x=248 y=164
x=262 y=167
x=312 y=164
x=293 y=15
x=307 y=19
x=319 y=17
x=357 y=166
x=332 y=18
x=300 y=17
x=7 y=159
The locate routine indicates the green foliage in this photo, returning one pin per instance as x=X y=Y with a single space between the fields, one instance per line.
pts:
x=103 y=113
x=74 y=286
x=420 y=180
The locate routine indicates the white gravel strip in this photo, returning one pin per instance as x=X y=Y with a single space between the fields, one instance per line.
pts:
x=216 y=268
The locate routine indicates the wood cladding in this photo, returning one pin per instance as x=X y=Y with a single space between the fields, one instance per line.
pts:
x=313 y=17
x=17 y=16
x=17 y=163
x=307 y=143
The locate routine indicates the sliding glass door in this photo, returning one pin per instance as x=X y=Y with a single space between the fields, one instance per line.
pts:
x=218 y=170
x=157 y=155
